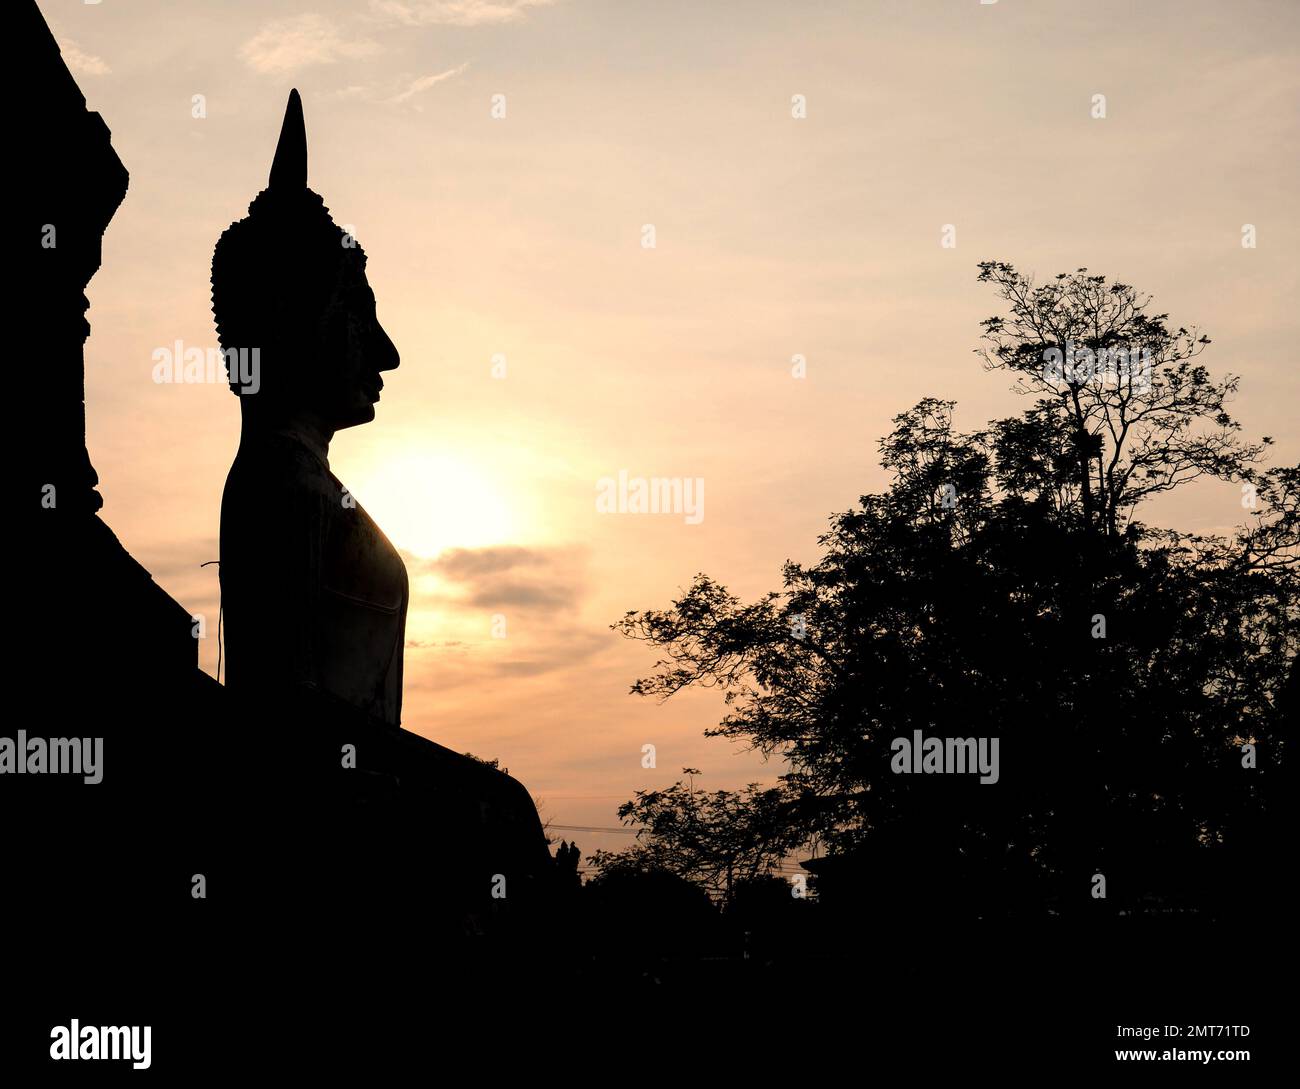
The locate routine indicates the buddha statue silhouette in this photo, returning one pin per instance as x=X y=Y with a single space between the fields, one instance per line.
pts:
x=314 y=595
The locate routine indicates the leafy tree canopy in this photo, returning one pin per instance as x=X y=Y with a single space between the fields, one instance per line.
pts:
x=1003 y=587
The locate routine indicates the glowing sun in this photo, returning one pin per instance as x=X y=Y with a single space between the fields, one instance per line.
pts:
x=427 y=502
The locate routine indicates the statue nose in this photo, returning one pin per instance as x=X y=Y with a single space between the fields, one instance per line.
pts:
x=386 y=357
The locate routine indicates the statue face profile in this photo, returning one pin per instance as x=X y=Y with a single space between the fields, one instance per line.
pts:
x=355 y=351
x=289 y=288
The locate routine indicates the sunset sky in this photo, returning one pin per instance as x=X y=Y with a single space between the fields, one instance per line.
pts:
x=521 y=236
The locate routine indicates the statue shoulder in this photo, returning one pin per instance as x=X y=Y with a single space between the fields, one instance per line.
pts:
x=278 y=501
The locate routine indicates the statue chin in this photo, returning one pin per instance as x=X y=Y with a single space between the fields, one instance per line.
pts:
x=362 y=414
x=343 y=407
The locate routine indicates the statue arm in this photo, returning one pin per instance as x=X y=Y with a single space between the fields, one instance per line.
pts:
x=271 y=574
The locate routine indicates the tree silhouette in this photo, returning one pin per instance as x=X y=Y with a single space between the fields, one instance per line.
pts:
x=1122 y=394
x=715 y=839
x=1001 y=587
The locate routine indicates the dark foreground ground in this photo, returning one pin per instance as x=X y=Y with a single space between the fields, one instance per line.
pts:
x=335 y=996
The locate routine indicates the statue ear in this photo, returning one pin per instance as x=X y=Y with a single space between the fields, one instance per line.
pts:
x=289 y=169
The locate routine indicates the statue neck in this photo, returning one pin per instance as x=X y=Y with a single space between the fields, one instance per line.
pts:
x=303 y=426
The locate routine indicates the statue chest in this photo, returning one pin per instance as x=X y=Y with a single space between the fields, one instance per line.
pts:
x=359 y=564
x=361 y=613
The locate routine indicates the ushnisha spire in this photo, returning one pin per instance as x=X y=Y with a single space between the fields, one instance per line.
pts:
x=277 y=272
x=289 y=170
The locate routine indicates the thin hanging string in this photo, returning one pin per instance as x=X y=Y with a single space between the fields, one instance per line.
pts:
x=221 y=611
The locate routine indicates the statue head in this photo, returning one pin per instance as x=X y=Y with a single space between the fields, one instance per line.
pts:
x=288 y=282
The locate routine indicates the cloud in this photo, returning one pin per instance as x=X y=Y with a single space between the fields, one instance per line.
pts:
x=81 y=62
x=355 y=90
x=424 y=83
x=469 y=563
x=566 y=649
x=456 y=12
x=394 y=92
x=558 y=648
x=289 y=44
x=540 y=590
x=506 y=577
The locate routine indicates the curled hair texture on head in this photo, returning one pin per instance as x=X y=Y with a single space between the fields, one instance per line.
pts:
x=275 y=272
